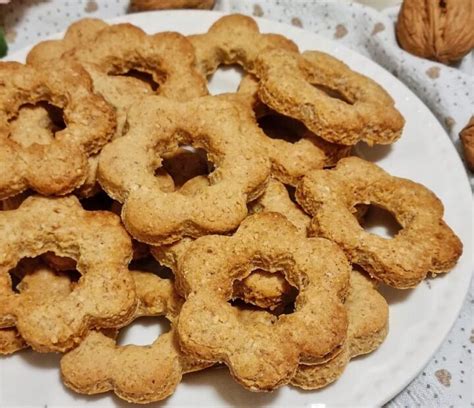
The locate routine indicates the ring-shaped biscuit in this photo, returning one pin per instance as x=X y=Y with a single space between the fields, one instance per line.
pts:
x=128 y=164
x=334 y=102
x=263 y=289
x=61 y=165
x=234 y=39
x=139 y=374
x=424 y=244
x=168 y=57
x=103 y=297
x=261 y=350
x=34 y=124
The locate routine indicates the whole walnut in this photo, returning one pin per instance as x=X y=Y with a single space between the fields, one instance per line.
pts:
x=147 y=5
x=467 y=140
x=442 y=30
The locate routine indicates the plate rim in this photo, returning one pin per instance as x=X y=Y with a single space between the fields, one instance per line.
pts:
x=207 y=14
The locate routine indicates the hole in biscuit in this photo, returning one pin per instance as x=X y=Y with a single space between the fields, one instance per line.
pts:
x=142 y=76
x=143 y=331
x=225 y=79
x=378 y=221
x=333 y=93
x=151 y=265
x=36 y=123
x=183 y=165
x=265 y=291
x=277 y=126
x=39 y=279
x=99 y=202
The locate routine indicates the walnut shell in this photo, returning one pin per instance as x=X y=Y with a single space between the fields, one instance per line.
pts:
x=144 y=5
x=467 y=140
x=442 y=30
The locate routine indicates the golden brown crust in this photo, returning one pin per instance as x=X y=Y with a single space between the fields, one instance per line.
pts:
x=103 y=297
x=290 y=160
x=368 y=325
x=360 y=109
x=61 y=165
x=168 y=57
x=276 y=198
x=424 y=244
x=37 y=281
x=246 y=341
x=467 y=140
x=79 y=34
x=139 y=374
x=127 y=166
x=34 y=124
x=122 y=61
x=11 y=341
x=234 y=39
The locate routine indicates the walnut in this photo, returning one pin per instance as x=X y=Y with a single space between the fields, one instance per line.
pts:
x=467 y=140
x=146 y=5
x=442 y=30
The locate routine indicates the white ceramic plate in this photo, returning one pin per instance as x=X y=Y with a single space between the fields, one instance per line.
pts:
x=419 y=319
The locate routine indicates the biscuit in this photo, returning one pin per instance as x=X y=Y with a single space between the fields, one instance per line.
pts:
x=234 y=39
x=292 y=149
x=79 y=34
x=38 y=124
x=61 y=165
x=424 y=244
x=261 y=350
x=332 y=101
x=367 y=312
x=139 y=374
x=103 y=297
x=127 y=167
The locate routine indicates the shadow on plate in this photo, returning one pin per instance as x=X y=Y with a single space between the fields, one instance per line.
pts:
x=228 y=389
x=41 y=360
x=372 y=153
x=394 y=296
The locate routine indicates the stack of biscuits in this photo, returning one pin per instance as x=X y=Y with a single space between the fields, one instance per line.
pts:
x=250 y=203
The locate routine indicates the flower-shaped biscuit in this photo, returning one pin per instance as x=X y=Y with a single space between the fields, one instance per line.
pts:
x=127 y=168
x=103 y=297
x=234 y=39
x=60 y=166
x=424 y=244
x=139 y=374
x=334 y=102
x=261 y=350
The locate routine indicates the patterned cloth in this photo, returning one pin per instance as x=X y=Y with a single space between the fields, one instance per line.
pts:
x=449 y=92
